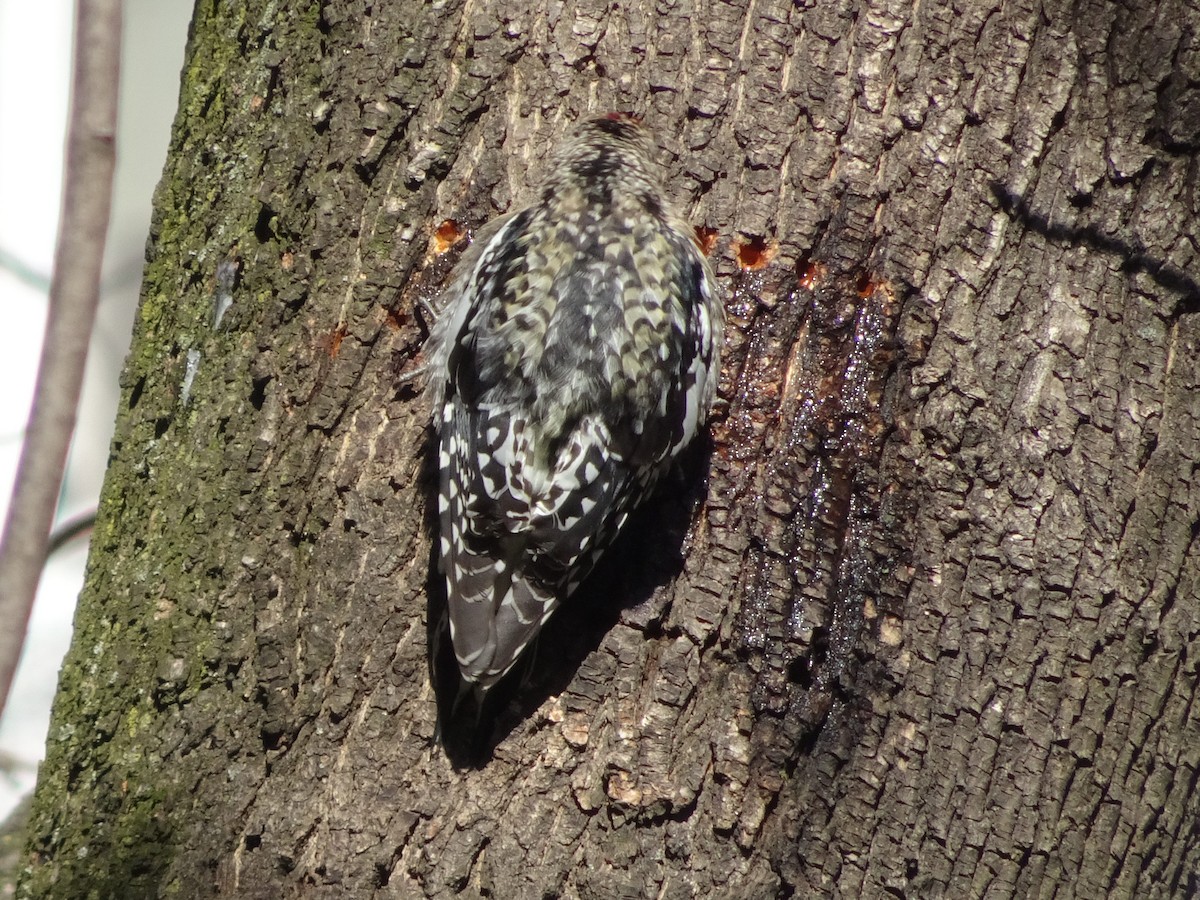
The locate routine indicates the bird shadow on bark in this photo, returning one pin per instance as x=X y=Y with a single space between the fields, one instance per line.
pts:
x=645 y=556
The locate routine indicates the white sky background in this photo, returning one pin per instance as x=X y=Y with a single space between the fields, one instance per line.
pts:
x=35 y=74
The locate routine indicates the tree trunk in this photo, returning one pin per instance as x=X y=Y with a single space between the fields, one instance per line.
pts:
x=922 y=620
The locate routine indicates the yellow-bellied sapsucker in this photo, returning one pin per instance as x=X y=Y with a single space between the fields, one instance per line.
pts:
x=575 y=356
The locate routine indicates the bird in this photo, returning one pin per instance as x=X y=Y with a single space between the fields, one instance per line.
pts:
x=575 y=356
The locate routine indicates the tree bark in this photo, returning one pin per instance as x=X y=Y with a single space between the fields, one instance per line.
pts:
x=922 y=620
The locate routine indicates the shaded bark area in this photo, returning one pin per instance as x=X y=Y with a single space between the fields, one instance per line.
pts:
x=921 y=621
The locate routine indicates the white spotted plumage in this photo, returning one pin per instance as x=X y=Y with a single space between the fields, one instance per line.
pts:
x=575 y=356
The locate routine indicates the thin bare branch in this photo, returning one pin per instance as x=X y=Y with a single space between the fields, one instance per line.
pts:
x=74 y=292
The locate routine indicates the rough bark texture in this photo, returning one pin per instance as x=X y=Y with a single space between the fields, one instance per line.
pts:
x=922 y=622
